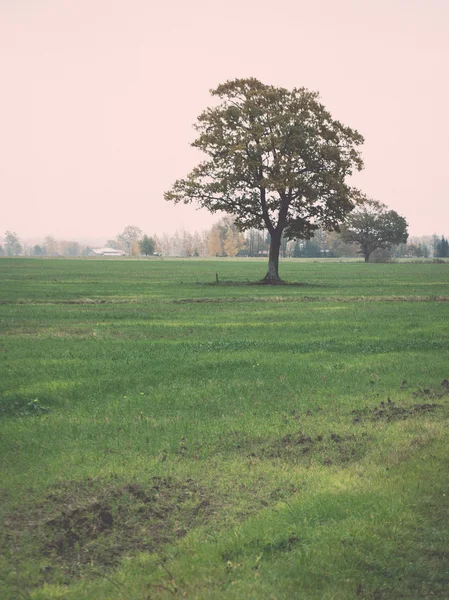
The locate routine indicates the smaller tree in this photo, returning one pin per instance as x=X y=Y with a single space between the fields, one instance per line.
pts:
x=13 y=245
x=424 y=251
x=442 y=248
x=374 y=227
x=215 y=242
x=147 y=245
x=233 y=239
x=51 y=246
x=69 y=248
x=233 y=242
x=130 y=236
x=114 y=244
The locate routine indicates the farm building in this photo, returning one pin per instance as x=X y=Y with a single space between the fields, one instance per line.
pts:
x=107 y=252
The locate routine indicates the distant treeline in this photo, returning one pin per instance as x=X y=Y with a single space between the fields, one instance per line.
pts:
x=223 y=239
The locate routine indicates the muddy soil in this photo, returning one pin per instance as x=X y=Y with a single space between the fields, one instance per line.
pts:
x=88 y=527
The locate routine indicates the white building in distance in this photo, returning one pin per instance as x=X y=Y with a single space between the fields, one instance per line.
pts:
x=107 y=252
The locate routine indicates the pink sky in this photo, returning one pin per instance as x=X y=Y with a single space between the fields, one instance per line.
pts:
x=99 y=97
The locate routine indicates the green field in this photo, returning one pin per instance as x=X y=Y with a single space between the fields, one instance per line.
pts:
x=166 y=436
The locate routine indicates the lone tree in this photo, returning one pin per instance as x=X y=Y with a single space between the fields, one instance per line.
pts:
x=373 y=226
x=277 y=160
x=146 y=245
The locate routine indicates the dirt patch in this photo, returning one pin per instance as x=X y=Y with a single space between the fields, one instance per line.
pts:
x=433 y=392
x=85 y=528
x=389 y=411
x=298 y=447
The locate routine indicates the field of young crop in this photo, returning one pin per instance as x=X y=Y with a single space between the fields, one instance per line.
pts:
x=163 y=435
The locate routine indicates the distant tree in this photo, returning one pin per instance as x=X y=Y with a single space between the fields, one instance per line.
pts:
x=147 y=245
x=176 y=244
x=51 y=246
x=130 y=234
x=257 y=242
x=374 y=227
x=250 y=240
x=233 y=239
x=134 y=248
x=215 y=242
x=442 y=248
x=284 y=246
x=38 y=250
x=2 y=251
x=277 y=160
x=68 y=248
x=415 y=246
x=417 y=249
x=310 y=249
x=13 y=246
x=199 y=244
x=157 y=244
x=306 y=249
x=400 y=250
x=233 y=242
x=338 y=247
x=114 y=244
x=164 y=244
x=187 y=245
x=297 y=249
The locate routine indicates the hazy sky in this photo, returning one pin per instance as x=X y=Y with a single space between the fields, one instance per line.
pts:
x=98 y=98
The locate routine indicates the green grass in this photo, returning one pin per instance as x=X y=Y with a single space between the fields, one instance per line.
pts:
x=162 y=434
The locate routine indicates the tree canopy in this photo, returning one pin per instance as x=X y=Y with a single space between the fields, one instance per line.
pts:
x=146 y=245
x=13 y=245
x=374 y=227
x=441 y=248
x=277 y=160
x=130 y=238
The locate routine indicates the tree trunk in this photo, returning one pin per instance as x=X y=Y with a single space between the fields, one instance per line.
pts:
x=366 y=250
x=272 y=276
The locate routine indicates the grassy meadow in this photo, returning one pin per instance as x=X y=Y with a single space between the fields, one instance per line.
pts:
x=163 y=435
